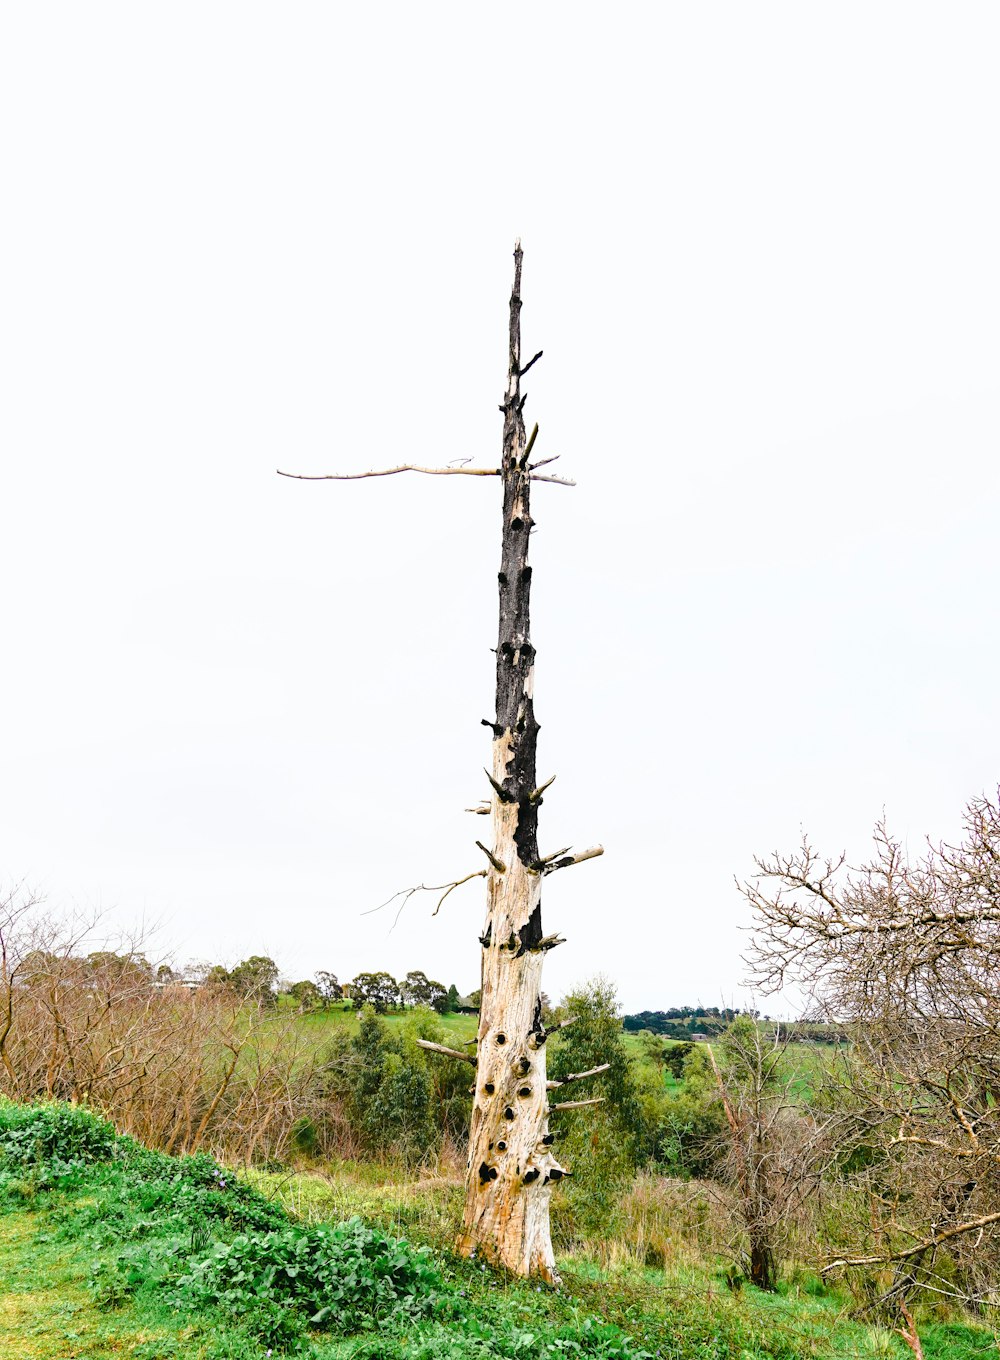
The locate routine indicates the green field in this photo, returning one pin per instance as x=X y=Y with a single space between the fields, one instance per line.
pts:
x=109 y=1251
x=320 y=1024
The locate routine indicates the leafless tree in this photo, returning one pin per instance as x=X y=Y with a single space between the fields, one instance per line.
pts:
x=775 y=1149
x=180 y=1067
x=906 y=952
x=511 y=1162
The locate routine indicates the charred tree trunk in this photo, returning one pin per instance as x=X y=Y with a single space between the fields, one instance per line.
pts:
x=511 y=1165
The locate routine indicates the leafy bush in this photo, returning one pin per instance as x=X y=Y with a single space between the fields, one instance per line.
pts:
x=382 y=1077
x=601 y=1142
x=52 y=1142
x=335 y=1279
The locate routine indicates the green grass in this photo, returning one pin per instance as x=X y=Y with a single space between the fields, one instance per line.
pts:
x=108 y=1250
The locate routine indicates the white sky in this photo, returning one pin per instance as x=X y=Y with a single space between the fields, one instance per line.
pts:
x=761 y=255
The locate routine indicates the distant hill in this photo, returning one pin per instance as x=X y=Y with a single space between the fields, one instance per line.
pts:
x=684 y=1022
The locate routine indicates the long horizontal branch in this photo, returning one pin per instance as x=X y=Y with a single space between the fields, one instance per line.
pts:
x=390 y=472
x=934 y=1241
x=413 y=467
x=577 y=1076
x=579 y=1104
x=447 y=1052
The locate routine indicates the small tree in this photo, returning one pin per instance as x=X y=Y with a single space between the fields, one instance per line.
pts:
x=755 y=1164
x=306 y=995
x=905 y=949
x=328 y=987
x=417 y=989
x=378 y=990
x=383 y=1079
x=255 y=979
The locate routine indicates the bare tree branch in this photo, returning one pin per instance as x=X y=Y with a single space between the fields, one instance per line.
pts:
x=391 y=472
x=406 y=893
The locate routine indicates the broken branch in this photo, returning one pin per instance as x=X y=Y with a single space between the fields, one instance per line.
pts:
x=447 y=1052
x=548 y=859
x=535 y=794
x=549 y=866
x=579 y=1104
x=533 y=360
x=538 y=1037
x=925 y=1245
x=498 y=864
x=498 y=789
x=577 y=1076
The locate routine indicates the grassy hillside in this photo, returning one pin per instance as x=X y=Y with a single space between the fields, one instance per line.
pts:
x=321 y=1024
x=109 y=1250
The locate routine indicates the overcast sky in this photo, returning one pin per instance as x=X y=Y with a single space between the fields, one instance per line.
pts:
x=761 y=256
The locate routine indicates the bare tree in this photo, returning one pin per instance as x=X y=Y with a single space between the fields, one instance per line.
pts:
x=180 y=1067
x=511 y=1163
x=907 y=952
x=774 y=1151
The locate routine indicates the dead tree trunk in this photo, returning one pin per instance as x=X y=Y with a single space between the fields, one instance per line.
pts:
x=511 y=1165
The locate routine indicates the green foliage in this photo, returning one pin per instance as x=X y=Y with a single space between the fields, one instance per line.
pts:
x=306 y=995
x=686 y=1138
x=378 y=990
x=680 y=1022
x=344 y=1279
x=255 y=978
x=52 y=1142
x=383 y=1079
x=602 y=1143
x=328 y=987
x=161 y=1258
x=676 y=1056
x=417 y=989
x=597 y=1038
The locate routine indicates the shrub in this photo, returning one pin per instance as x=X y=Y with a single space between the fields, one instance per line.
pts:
x=53 y=1142
x=333 y=1279
x=602 y=1142
x=383 y=1081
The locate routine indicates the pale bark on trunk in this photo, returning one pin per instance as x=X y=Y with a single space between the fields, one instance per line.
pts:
x=511 y=1165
